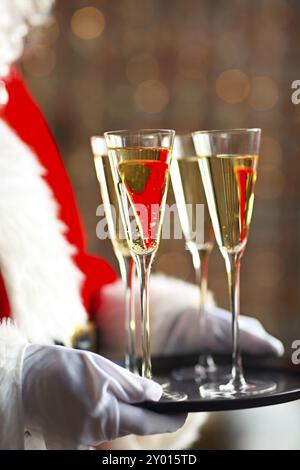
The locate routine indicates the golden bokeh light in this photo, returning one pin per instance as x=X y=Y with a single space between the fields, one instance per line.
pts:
x=264 y=93
x=270 y=183
x=151 y=96
x=142 y=67
x=270 y=150
x=40 y=62
x=87 y=23
x=232 y=86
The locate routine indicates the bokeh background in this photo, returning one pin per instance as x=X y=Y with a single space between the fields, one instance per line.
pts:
x=190 y=64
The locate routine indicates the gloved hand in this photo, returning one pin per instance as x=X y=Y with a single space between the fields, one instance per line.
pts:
x=76 y=398
x=187 y=336
x=175 y=325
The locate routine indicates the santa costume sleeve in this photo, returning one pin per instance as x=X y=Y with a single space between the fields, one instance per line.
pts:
x=47 y=279
x=24 y=119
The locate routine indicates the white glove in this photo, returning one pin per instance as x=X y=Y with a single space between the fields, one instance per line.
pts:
x=175 y=325
x=187 y=336
x=76 y=398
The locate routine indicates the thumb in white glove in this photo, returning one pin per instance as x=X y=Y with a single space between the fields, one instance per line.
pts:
x=76 y=398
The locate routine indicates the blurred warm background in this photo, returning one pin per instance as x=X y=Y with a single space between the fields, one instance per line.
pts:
x=190 y=64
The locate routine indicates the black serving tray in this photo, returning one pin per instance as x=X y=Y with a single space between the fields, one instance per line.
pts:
x=281 y=371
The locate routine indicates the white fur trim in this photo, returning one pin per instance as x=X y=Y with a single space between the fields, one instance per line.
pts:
x=16 y=19
x=42 y=281
x=12 y=347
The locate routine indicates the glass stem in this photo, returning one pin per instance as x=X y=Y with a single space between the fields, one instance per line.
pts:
x=200 y=263
x=233 y=264
x=127 y=270
x=143 y=265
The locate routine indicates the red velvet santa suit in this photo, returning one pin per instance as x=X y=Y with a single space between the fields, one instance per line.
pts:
x=25 y=119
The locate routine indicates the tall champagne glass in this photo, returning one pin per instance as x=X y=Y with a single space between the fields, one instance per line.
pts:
x=189 y=195
x=228 y=163
x=119 y=243
x=141 y=161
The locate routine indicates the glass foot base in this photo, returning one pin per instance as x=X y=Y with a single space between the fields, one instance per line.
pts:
x=163 y=381
x=200 y=373
x=169 y=395
x=190 y=373
x=231 y=390
x=206 y=361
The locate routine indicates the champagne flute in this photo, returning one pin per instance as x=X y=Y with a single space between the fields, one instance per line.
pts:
x=189 y=195
x=141 y=161
x=228 y=163
x=119 y=243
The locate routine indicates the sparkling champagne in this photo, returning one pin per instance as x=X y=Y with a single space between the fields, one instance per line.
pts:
x=189 y=194
x=144 y=174
x=111 y=206
x=229 y=182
